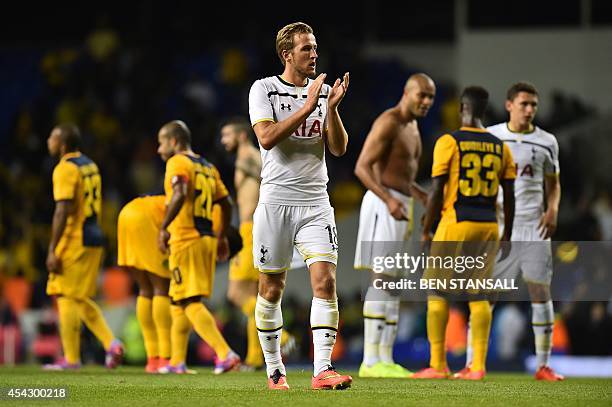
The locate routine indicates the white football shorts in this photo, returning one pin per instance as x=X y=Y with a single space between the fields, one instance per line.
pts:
x=377 y=225
x=530 y=255
x=277 y=229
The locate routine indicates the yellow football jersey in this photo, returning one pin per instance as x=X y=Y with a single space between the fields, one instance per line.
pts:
x=476 y=162
x=204 y=188
x=76 y=177
x=151 y=207
x=137 y=231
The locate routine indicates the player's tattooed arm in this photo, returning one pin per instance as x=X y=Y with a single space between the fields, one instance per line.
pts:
x=179 y=193
x=60 y=216
x=270 y=134
x=433 y=208
x=250 y=167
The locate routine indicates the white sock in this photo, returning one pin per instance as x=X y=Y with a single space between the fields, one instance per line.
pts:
x=542 y=320
x=269 y=322
x=390 y=332
x=373 y=325
x=469 y=352
x=324 y=325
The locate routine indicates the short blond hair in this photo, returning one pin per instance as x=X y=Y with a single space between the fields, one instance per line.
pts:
x=284 y=37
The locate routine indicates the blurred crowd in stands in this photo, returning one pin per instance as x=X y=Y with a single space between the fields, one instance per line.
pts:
x=120 y=95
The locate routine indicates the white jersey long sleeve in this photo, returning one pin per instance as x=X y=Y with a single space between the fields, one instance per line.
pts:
x=294 y=171
x=536 y=155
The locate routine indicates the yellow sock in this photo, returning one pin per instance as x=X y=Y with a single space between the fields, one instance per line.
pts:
x=92 y=316
x=437 y=317
x=254 y=356
x=179 y=335
x=69 y=329
x=284 y=337
x=163 y=324
x=145 y=319
x=480 y=320
x=204 y=324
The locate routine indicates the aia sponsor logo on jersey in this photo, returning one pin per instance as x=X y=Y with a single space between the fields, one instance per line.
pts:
x=306 y=131
x=526 y=171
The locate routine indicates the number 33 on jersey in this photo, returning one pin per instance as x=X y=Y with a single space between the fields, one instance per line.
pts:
x=476 y=162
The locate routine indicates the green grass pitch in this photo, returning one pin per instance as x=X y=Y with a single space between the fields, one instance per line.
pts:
x=130 y=386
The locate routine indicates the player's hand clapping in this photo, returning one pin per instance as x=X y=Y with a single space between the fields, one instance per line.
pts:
x=338 y=91
x=314 y=91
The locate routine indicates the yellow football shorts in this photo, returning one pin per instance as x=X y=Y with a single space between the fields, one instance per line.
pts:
x=80 y=266
x=472 y=246
x=192 y=269
x=467 y=231
x=241 y=265
x=137 y=244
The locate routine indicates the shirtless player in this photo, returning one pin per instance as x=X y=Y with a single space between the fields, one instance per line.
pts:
x=243 y=276
x=387 y=167
x=236 y=137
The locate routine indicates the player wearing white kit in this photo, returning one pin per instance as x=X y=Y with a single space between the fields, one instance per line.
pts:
x=294 y=117
x=387 y=166
x=538 y=192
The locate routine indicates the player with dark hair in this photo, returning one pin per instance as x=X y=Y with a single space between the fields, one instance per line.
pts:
x=76 y=248
x=469 y=165
x=236 y=136
x=243 y=276
x=538 y=193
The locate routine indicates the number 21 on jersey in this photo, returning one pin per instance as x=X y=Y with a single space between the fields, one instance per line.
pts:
x=204 y=189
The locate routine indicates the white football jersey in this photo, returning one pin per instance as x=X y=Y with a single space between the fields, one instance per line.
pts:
x=536 y=154
x=293 y=171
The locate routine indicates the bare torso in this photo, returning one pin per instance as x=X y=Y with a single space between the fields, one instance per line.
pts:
x=246 y=181
x=398 y=166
